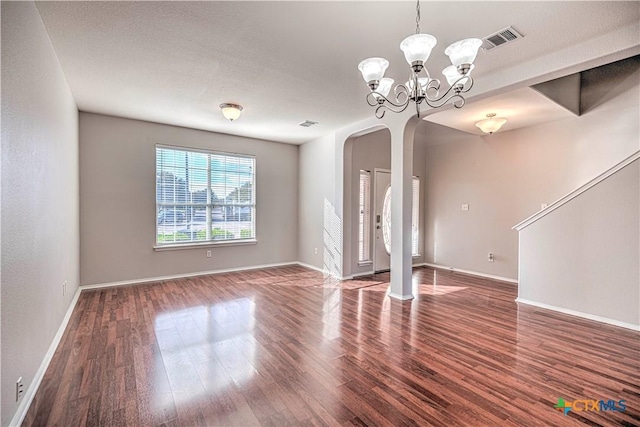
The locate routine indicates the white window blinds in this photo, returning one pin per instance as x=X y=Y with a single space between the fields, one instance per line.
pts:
x=203 y=196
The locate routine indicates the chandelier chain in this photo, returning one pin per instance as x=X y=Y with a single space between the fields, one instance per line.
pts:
x=418 y=17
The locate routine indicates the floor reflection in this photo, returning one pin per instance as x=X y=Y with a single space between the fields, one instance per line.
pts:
x=206 y=349
x=331 y=313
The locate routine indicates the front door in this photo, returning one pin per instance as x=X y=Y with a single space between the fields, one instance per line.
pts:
x=382 y=221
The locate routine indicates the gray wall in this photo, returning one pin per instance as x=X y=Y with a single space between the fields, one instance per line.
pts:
x=584 y=255
x=505 y=177
x=117 y=201
x=39 y=197
x=316 y=203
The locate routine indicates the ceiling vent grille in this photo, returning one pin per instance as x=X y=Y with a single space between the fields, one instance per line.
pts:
x=501 y=37
x=307 y=124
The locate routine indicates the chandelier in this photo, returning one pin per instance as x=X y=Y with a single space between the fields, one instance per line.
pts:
x=418 y=88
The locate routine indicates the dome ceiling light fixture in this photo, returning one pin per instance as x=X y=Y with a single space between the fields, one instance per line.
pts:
x=231 y=111
x=491 y=124
x=417 y=49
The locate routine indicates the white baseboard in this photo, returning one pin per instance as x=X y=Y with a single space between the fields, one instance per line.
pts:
x=185 y=275
x=400 y=297
x=312 y=267
x=580 y=314
x=371 y=272
x=366 y=273
x=24 y=405
x=471 y=273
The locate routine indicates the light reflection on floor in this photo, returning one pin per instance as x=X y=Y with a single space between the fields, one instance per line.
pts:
x=205 y=350
x=332 y=314
x=418 y=289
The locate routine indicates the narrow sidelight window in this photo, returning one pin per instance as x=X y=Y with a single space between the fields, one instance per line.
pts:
x=364 y=218
x=415 y=217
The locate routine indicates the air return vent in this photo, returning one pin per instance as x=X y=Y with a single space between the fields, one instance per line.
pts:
x=307 y=123
x=504 y=36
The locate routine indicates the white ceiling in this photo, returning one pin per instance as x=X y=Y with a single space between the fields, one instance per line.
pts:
x=285 y=62
x=522 y=108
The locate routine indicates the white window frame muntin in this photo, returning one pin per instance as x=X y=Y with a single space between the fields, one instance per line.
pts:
x=366 y=221
x=208 y=242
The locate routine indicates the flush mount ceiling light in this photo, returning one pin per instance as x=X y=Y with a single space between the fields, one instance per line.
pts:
x=491 y=124
x=417 y=49
x=231 y=111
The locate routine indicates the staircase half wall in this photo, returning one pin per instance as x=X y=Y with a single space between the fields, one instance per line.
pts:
x=581 y=255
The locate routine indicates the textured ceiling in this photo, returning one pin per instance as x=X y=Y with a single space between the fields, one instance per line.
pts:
x=285 y=62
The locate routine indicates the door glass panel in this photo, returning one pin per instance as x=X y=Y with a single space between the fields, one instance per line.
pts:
x=386 y=220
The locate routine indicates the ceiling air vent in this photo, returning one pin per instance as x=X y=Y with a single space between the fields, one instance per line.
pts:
x=307 y=124
x=507 y=35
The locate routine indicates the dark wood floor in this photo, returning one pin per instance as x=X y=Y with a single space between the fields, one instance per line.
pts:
x=286 y=346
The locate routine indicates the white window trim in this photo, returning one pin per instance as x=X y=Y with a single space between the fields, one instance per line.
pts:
x=206 y=244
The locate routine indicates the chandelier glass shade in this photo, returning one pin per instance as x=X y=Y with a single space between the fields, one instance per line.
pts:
x=417 y=47
x=384 y=86
x=420 y=87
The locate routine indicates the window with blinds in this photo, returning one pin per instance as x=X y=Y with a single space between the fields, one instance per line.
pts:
x=203 y=196
x=415 y=216
x=364 y=217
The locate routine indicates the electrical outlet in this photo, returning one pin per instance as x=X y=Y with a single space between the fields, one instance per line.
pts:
x=543 y=206
x=491 y=257
x=315 y=251
x=19 y=389
x=465 y=206
x=209 y=254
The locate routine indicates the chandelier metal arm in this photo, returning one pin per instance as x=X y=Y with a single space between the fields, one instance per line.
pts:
x=458 y=101
x=403 y=97
x=401 y=93
x=383 y=103
x=457 y=88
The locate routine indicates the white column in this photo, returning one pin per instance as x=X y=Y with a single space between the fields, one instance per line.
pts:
x=401 y=174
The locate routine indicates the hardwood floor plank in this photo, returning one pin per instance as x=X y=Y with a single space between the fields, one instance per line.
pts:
x=289 y=346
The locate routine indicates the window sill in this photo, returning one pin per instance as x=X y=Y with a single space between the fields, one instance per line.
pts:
x=363 y=263
x=179 y=246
